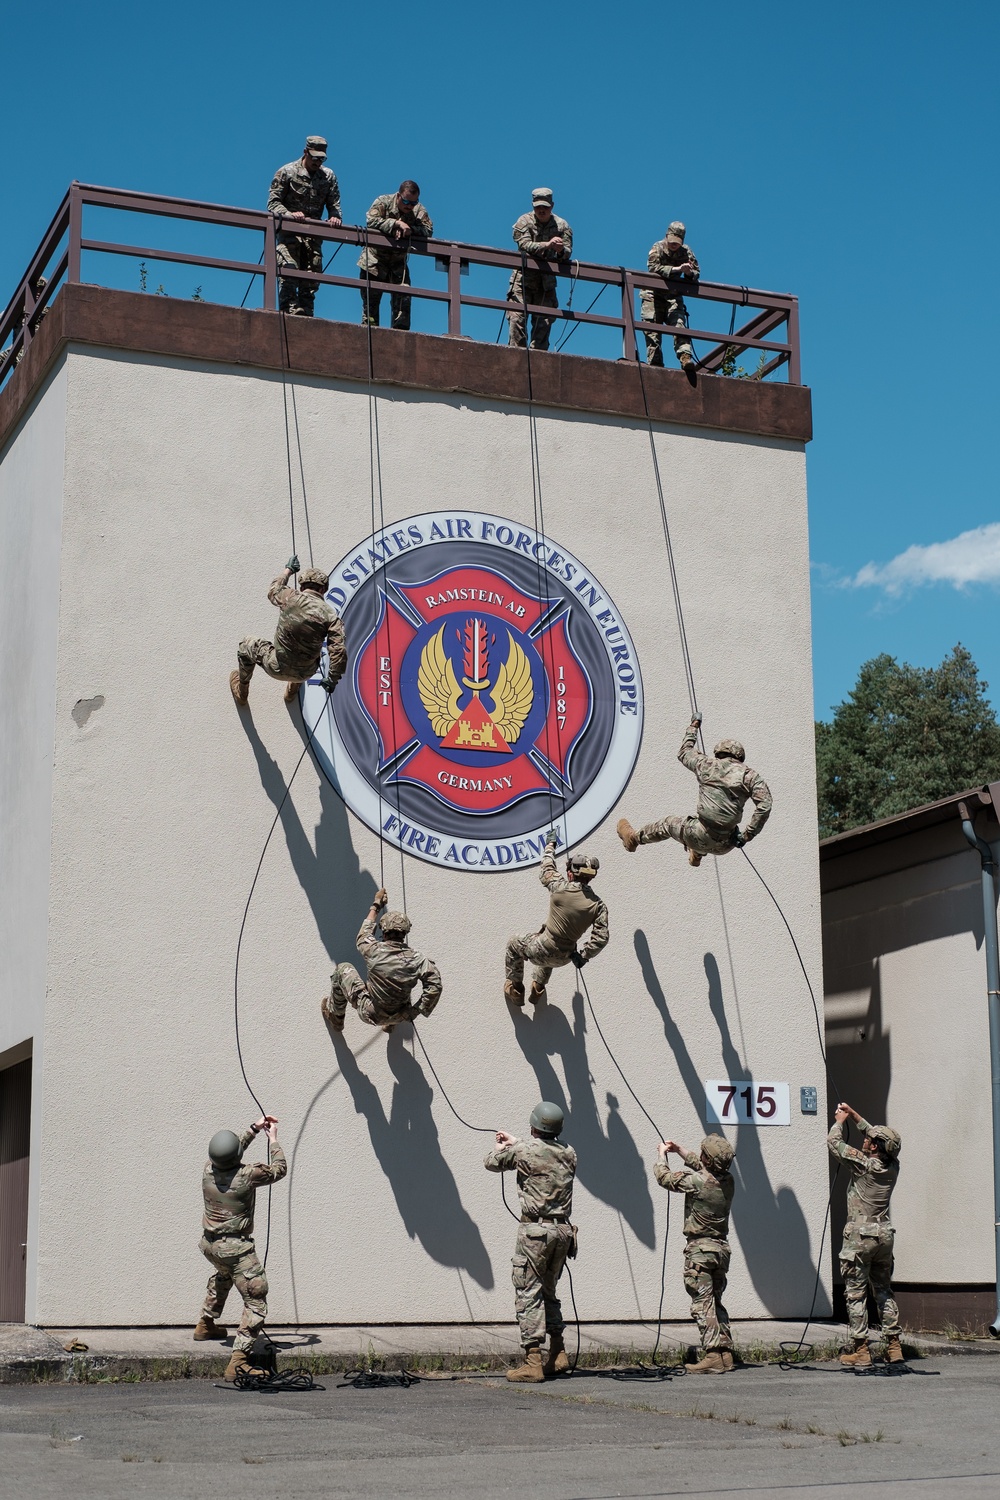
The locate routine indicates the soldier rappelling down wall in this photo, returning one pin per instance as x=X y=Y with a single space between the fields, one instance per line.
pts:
x=724 y=786
x=707 y=1183
x=573 y=908
x=866 y=1256
x=394 y=968
x=306 y=623
x=545 y=1237
x=230 y=1189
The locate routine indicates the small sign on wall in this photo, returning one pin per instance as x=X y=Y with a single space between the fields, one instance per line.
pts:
x=743 y=1101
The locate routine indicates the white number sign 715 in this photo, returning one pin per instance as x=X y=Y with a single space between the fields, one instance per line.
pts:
x=743 y=1101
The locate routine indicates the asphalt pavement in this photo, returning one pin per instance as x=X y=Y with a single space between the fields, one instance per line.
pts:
x=809 y=1431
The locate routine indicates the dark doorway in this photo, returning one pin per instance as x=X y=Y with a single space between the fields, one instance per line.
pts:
x=15 y=1139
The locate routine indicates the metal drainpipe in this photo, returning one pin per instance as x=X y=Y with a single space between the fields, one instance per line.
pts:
x=993 y=1004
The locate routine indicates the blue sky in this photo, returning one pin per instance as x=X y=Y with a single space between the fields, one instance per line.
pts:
x=845 y=153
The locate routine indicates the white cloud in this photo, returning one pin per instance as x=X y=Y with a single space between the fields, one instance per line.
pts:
x=972 y=557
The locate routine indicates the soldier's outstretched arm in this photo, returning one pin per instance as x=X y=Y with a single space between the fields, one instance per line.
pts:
x=336 y=645
x=548 y=872
x=278 y=591
x=687 y=755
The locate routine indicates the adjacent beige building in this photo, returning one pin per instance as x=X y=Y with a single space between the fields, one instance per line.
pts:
x=908 y=1040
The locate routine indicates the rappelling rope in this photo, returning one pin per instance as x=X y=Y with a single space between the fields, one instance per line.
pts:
x=375 y=481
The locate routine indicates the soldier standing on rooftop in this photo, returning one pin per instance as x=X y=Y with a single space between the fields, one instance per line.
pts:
x=402 y=218
x=724 y=785
x=676 y=263
x=545 y=1237
x=542 y=235
x=302 y=190
x=866 y=1256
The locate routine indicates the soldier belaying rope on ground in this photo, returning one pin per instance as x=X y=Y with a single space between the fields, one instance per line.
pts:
x=725 y=785
x=306 y=623
x=394 y=968
x=573 y=908
x=545 y=1237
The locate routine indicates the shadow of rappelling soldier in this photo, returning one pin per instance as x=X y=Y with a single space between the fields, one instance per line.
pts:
x=725 y=785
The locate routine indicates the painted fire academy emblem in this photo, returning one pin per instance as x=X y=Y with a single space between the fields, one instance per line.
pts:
x=492 y=690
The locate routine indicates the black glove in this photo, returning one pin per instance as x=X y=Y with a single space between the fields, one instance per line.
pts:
x=328 y=682
x=739 y=838
x=552 y=836
x=293 y=565
x=577 y=960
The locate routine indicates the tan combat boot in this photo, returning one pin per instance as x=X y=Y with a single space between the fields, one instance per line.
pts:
x=689 y=367
x=628 y=835
x=513 y=993
x=727 y=1359
x=207 y=1328
x=894 y=1352
x=237 y=1361
x=860 y=1357
x=711 y=1363
x=557 y=1360
x=336 y=1022
x=537 y=993
x=531 y=1371
x=291 y=691
x=240 y=695
x=694 y=859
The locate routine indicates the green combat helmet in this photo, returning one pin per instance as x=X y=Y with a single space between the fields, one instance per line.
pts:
x=224 y=1149
x=547 y=1119
x=889 y=1139
x=314 y=578
x=732 y=748
x=717 y=1150
x=397 y=922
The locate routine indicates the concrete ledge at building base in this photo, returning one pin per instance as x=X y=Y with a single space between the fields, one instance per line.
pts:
x=30 y=1355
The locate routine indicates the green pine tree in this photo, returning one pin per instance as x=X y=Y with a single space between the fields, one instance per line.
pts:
x=904 y=736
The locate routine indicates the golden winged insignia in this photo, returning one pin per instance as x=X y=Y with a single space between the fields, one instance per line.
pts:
x=438 y=686
x=513 y=694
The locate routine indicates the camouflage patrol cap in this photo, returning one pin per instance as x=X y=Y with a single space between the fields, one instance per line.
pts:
x=541 y=195
x=316 y=146
x=224 y=1149
x=314 y=578
x=396 y=921
x=889 y=1139
x=584 y=864
x=676 y=231
x=717 y=1150
x=548 y=1119
x=732 y=748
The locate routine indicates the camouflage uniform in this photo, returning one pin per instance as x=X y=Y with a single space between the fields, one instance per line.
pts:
x=573 y=907
x=393 y=970
x=294 y=190
x=724 y=785
x=381 y=264
x=706 y=1256
x=227 y=1239
x=866 y=1257
x=305 y=624
x=667 y=306
x=535 y=285
x=545 y=1172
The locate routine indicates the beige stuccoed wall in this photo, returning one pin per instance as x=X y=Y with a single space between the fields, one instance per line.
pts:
x=176 y=518
x=908 y=1037
x=31 y=494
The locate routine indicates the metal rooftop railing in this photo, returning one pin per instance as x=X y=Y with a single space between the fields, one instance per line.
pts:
x=86 y=236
